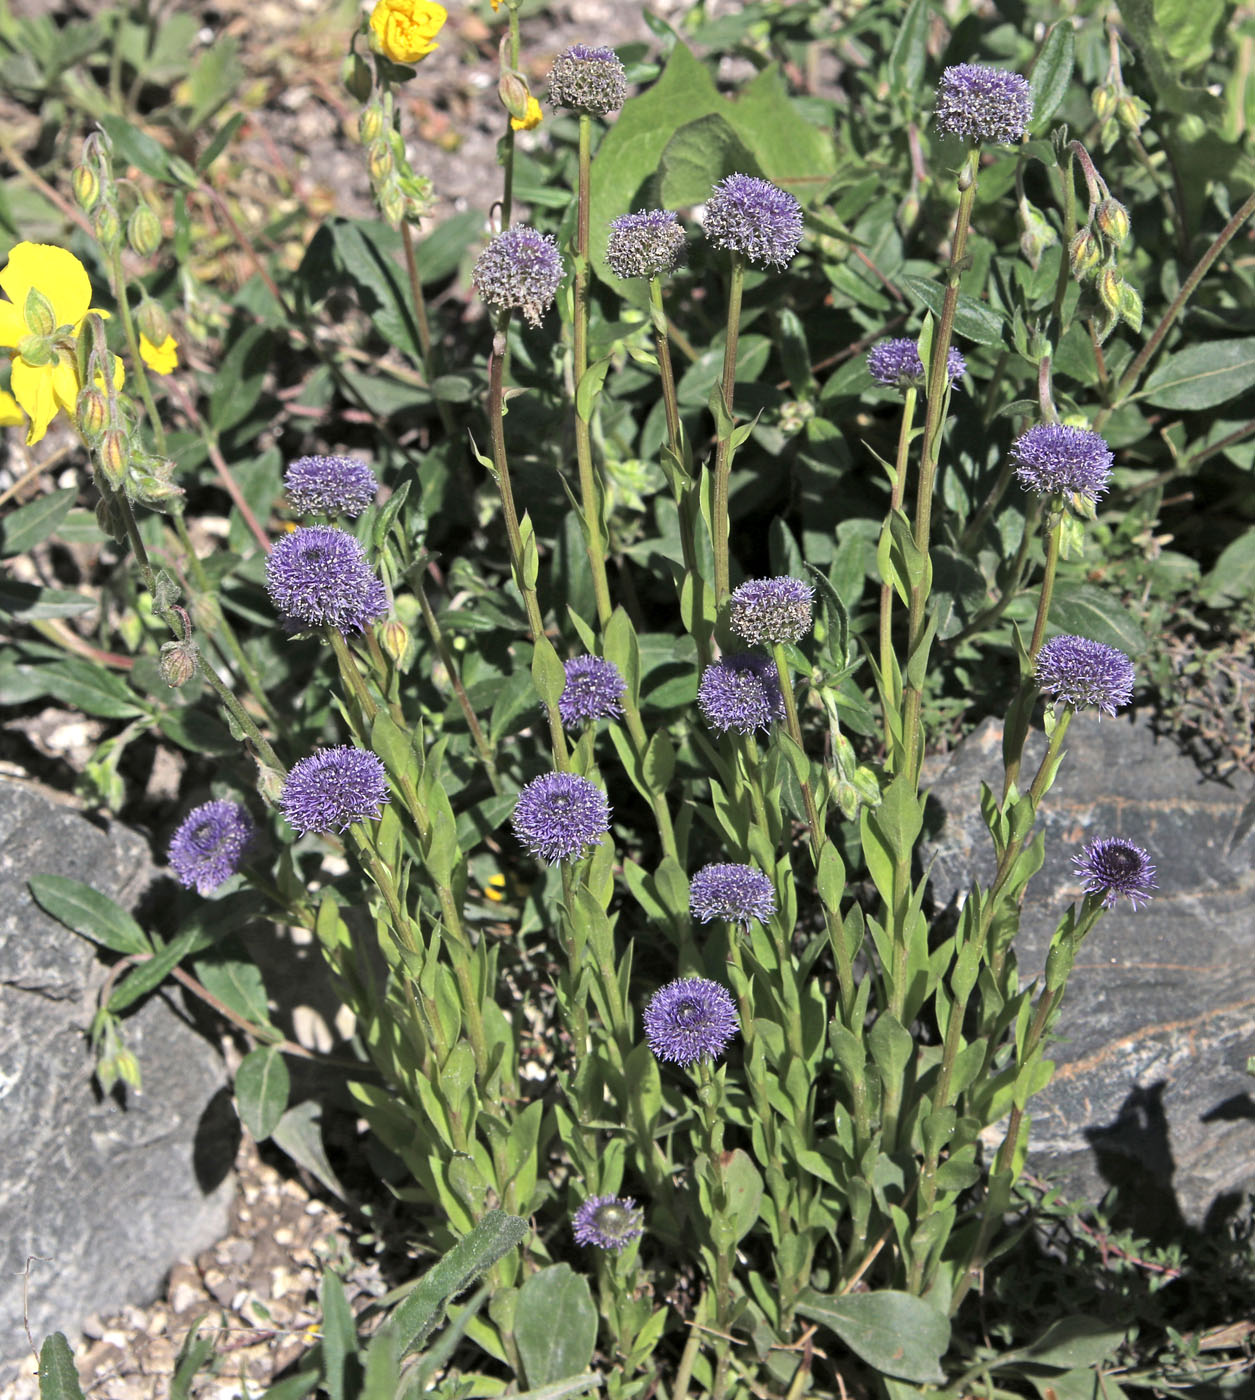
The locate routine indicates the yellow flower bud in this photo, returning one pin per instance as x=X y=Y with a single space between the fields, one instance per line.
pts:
x=143 y=231
x=403 y=30
x=1109 y=284
x=380 y=162
x=1132 y=112
x=513 y=91
x=107 y=225
x=370 y=124
x=1084 y=254
x=531 y=118
x=394 y=638
x=86 y=185
x=112 y=455
x=1104 y=102
x=91 y=413
x=1113 y=219
x=152 y=320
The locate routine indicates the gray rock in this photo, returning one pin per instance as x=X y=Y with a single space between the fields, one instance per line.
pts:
x=1150 y=1092
x=100 y=1198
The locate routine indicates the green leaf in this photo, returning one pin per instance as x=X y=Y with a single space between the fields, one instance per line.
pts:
x=555 y=1326
x=895 y=1333
x=1142 y=19
x=240 y=376
x=972 y=319
x=1232 y=577
x=745 y=1192
x=24 y=602
x=910 y=51
x=154 y=972
x=1086 y=611
x=262 y=1086
x=574 y=1385
x=193 y=1354
x=1186 y=28
x=89 y=913
x=90 y=688
x=1074 y=1342
x=299 y=1134
x=342 y=1369
x=696 y=156
x=30 y=524
x=58 y=1376
x=1203 y=375
x=235 y=980
x=1052 y=73
x=134 y=147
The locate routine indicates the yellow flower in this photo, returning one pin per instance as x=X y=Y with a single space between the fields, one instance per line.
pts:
x=161 y=359
x=49 y=295
x=403 y=30
x=10 y=414
x=531 y=118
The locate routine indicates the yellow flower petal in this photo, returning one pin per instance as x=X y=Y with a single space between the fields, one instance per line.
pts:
x=10 y=414
x=12 y=325
x=403 y=30
x=532 y=117
x=65 y=385
x=32 y=388
x=161 y=359
x=56 y=273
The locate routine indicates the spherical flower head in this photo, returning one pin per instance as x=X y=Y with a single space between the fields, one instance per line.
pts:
x=741 y=693
x=588 y=79
x=519 y=268
x=334 y=788
x=1084 y=673
x=648 y=244
x=690 y=1019
x=1113 y=867
x=209 y=846
x=403 y=30
x=896 y=364
x=558 y=815
x=593 y=690
x=318 y=576
x=330 y=485
x=981 y=103
x=609 y=1222
x=1055 y=458
x=771 y=610
x=754 y=218
x=734 y=893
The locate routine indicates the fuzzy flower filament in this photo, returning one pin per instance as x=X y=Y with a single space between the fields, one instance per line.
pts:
x=980 y=103
x=740 y=693
x=588 y=79
x=559 y=815
x=209 y=846
x=330 y=486
x=648 y=244
x=737 y=894
x=1112 y=866
x=690 y=1019
x=608 y=1222
x=594 y=690
x=1057 y=459
x=331 y=790
x=1084 y=673
x=521 y=268
x=754 y=218
x=319 y=576
x=771 y=610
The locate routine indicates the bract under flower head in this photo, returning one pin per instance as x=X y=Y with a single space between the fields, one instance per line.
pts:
x=1112 y=866
x=208 y=847
x=594 y=690
x=319 y=576
x=690 y=1019
x=403 y=30
x=740 y=693
x=1084 y=673
x=896 y=364
x=1057 y=459
x=770 y=610
x=754 y=218
x=520 y=268
x=49 y=297
x=559 y=815
x=330 y=485
x=648 y=244
x=734 y=893
x=608 y=1222
x=334 y=788
x=588 y=79
x=981 y=103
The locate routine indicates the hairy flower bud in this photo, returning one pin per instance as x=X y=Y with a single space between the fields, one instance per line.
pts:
x=1037 y=234
x=86 y=185
x=1084 y=254
x=370 y=124
x=178 y=663
x=91 y=413
x=513 y=90
x=1113 y=219
x=1132 y=112
x=394 y=638
x=1109 y=284
x=1104 y=101
x=379 y=161
x=153 y=321
x=106 y=225
x=143 y=231
x=1130 y=307
x=113 y=454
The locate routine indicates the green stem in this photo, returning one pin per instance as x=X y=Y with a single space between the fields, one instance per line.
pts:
x=890 y=693
x=723 y=448
x=118 y=278
x=1054 y=541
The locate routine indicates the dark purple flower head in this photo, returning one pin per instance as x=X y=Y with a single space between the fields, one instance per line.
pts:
x=519 y=268
x=210 y=844
x=332 y=789
x=319 y=576
x=1113 y=867
x=896 y=364
x=644 y=245
x=609 y=1222
x=771 y=610
x=754 y=218
x=690 y=1019
x=594 y=690
x=559 y=814
x=1055 y=459
x=741 y=693
x=588 y=79
x=330 y=485
x=981 y=103
x=1081 y=673
x=735 y=893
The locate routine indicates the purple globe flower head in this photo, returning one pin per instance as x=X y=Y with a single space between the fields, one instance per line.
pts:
x=980 y=103
x=771 y=610
x=319 y=576
x=1084 y=673
x=588 y=79
x=210 y=845
x=558 y=815
x=609 y=1222
x=896 y=364
x=332 y=789
x=1055 y=459
x=741 y=693
x=690 y=1019
x=648 y=244
x=330 y=485
x=594 y=690
x=520 y=268
x=1112 y=866
x=734 y=893
x=754 y=218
